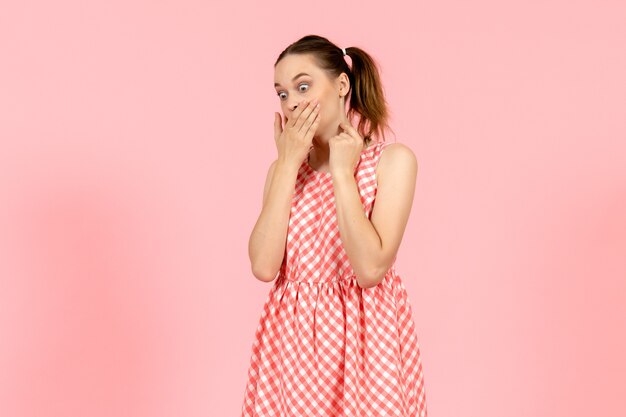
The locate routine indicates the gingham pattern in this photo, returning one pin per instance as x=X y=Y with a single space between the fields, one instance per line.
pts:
x=324 y=346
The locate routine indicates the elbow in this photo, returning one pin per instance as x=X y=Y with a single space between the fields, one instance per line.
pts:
x=371 y=279
x=370 y=283
x=262 y=268
x=263 y=274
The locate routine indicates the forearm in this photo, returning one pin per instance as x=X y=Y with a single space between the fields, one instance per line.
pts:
x=359 y=237
x=266 y=246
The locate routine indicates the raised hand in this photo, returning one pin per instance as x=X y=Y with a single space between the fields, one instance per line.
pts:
x=345 y=149
x=294 y=142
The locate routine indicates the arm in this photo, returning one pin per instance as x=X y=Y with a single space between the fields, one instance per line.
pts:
x=372 y=245
x=266 y=247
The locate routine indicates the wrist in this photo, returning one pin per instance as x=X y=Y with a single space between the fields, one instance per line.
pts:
x=286 y=166
x=342 y=174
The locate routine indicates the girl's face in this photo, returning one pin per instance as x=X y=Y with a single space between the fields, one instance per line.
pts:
x=297 y=78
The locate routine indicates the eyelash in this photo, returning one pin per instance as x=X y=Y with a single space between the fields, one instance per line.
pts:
x=280 y=92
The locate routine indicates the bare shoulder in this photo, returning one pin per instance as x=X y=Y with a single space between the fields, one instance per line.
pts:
x=396 y=159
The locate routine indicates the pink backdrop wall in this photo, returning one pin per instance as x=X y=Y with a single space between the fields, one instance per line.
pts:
x=135 y=141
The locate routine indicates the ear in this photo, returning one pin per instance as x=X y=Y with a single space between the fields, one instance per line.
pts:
x=343 y=83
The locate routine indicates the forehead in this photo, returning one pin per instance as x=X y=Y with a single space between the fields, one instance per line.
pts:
x=292 y=65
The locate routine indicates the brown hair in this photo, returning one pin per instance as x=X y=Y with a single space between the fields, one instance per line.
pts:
x=366 y=90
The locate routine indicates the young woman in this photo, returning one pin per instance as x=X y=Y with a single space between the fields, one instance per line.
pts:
x=336 y=335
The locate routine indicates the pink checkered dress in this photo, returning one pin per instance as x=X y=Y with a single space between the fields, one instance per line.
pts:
x=324 y=346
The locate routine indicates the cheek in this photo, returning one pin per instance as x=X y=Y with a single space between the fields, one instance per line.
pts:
x=328 y=110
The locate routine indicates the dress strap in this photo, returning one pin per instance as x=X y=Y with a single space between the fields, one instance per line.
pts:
x=379 y=149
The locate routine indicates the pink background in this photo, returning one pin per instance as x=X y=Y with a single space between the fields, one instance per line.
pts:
x=135 y=141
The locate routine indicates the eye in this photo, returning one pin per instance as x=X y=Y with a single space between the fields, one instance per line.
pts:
x=280 y=94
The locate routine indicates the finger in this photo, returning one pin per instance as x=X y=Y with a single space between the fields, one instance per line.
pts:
x=277 y=124
x=344 y=135
x=351 y=132
x=313 y=114
x=313 y=127
x=306 y=112
x=297 y=112
x=347 y=127
x=278 y=129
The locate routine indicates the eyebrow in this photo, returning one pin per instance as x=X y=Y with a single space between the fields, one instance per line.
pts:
x=294 y=78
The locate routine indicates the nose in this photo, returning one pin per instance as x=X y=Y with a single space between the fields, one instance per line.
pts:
x=289 y=111
x=294 y=105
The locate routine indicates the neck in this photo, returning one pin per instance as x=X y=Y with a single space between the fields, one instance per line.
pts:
x=320 y=153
